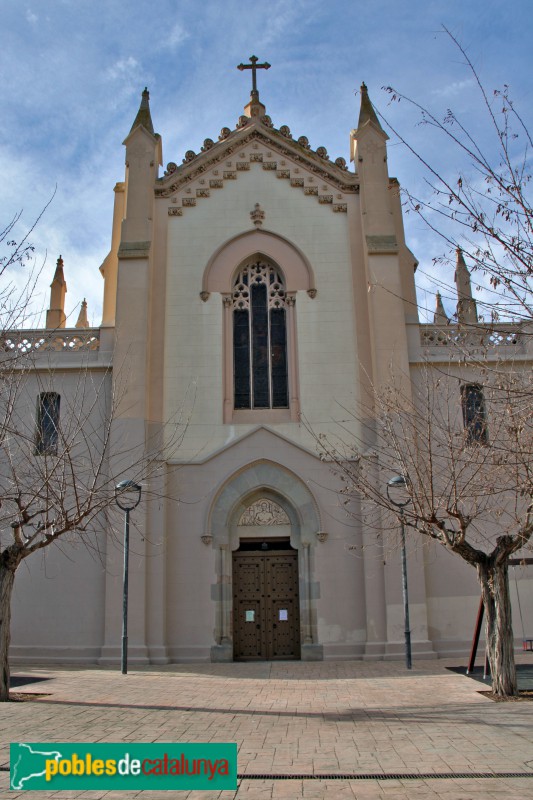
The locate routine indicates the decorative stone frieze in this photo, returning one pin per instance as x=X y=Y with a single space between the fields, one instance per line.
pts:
x=230 y=175
x=243 y=166
x=340 y=208
x=325 y=199
x=175 y=212
x=273 y=165
x=283 y=173
x=323 y=169
x=256 y=156
x=203 y=193
x=189 y=201
x=216 y=183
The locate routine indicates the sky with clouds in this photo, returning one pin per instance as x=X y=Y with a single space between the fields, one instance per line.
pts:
x=73 y=72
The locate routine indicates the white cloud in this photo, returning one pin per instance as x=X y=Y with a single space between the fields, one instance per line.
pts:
x=122 y=67
x=453 y=89
x=177 y=36
x=31 y=17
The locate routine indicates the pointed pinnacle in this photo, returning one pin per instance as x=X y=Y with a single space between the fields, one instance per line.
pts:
x=58 y=274
x=144 y=117
x=367 y=113
x=440 y=317
x=460 y=262
x=83 y=322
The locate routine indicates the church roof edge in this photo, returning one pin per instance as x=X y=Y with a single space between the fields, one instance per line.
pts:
x=257 y=128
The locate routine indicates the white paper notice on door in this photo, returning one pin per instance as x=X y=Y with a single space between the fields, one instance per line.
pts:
x=283 y=615
x=250 y=615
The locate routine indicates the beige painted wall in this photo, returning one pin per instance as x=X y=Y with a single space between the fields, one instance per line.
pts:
x=193 y=336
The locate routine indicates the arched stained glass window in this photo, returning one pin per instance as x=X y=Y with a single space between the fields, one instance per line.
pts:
x=259 y=337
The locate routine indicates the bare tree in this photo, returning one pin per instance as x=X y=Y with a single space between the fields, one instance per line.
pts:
x=65 y=441
x=480 y=199
x=463 y=441
x=62 y=453
x=462 y=435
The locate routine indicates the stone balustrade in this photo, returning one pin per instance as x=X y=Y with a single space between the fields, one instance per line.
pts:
x=64 y=340
x=491 y=337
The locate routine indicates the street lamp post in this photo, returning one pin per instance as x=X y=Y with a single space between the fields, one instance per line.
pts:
x=127 y=497
x=400 y=483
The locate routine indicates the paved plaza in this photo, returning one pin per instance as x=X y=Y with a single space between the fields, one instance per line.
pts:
x=345 y=719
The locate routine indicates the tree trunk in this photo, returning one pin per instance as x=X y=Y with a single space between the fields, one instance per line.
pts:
x=7 y=579
x=494 y=580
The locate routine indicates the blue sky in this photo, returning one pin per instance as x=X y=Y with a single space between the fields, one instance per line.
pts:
x=73 y=71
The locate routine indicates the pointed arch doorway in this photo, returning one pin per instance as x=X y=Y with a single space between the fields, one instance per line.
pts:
x=265 y=580
x=240 y=521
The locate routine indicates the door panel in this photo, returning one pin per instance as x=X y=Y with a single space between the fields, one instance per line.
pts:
x=266 y=614
x=248 y=608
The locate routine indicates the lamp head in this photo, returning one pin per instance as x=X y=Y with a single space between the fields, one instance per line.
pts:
x=127 y=495
x=399 y=485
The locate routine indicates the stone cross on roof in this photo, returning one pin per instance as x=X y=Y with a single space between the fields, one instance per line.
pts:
x=254 y=66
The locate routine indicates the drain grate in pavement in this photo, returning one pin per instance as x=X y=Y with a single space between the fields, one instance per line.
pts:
x=372 y=776
x=381 y=776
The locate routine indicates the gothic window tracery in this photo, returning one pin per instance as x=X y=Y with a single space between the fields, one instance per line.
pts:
x=259 y=337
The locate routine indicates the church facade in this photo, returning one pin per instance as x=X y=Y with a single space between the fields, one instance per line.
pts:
x=253 y=296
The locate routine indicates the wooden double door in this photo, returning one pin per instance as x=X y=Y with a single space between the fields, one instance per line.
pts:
x=266 y=612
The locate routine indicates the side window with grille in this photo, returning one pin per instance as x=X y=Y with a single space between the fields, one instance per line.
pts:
x=47 y=433
x=474 y=414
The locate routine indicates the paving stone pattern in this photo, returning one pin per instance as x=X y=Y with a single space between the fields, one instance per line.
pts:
x=291 y=718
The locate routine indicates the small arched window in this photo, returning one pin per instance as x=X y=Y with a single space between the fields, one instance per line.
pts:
x=47 y=433
x=259 y=338
x=474 y=414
